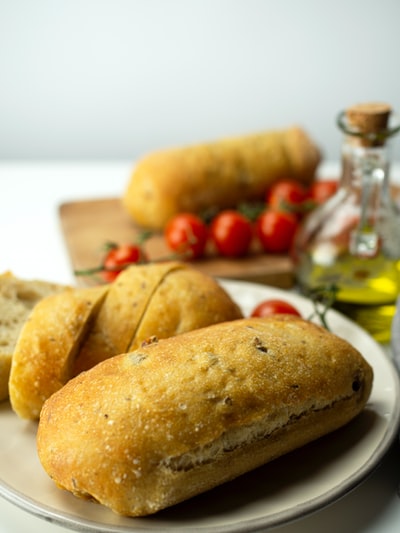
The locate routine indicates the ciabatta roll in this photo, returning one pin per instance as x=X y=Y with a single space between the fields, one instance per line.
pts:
x=148 y=429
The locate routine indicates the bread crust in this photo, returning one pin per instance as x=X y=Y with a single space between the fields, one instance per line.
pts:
x=220 y=175
x=180 y=416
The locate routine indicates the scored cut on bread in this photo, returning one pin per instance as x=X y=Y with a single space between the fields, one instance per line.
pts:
x=182 y=415
x=47 y=346
x=178 y=292
x=116 y=323
x=17 y=299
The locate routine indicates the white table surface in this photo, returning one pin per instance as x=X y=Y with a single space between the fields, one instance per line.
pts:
x=32 y=247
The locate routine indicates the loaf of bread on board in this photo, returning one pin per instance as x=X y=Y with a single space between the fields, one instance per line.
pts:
x=148 y=429
x=17 y=299
x=73 y=331
x=218 y=174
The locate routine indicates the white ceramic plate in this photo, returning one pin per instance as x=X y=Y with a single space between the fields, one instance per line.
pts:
x=275 y=494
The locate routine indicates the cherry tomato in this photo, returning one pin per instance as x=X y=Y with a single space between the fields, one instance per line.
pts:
x=287 y=195
x=187 y=235
x=276 y=230
x=320 y=191
x=119 y=257
x=231 y=233
x=274 y=307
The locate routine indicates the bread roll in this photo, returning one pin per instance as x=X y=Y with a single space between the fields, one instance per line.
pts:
x=148 y=429
x=79 y=328
x=216 y=175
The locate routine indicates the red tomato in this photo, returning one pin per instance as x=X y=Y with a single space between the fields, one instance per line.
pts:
x=231 y=233
x=119 y=257
x=320 y=191
x=187 y=235
x=287 y=195
x=274 y=307
x=276 y=230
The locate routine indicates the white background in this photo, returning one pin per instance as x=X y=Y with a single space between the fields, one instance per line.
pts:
x=112 y=79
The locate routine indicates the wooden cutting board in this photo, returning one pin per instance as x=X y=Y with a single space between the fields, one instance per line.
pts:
x=87 y=225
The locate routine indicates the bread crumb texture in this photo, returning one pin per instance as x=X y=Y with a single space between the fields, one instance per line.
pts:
x=17 y=299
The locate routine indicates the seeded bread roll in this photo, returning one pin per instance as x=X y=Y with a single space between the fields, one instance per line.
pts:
x=220 y=174
x=148 y=429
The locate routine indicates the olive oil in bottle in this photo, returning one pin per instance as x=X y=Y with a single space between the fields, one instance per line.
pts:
x=352 y=242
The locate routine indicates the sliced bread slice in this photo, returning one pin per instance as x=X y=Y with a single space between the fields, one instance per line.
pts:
x=48 y=344
x=17 y=299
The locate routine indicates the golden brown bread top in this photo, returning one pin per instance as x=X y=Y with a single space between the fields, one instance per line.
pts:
x=182 y=415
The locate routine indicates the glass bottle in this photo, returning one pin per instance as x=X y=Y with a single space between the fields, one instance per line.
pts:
x=352 y=242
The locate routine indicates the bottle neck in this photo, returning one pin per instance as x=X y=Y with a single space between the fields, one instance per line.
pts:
x=365 y=166
x=365 y=177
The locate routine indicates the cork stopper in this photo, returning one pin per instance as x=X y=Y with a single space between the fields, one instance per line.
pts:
x=370 y=120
